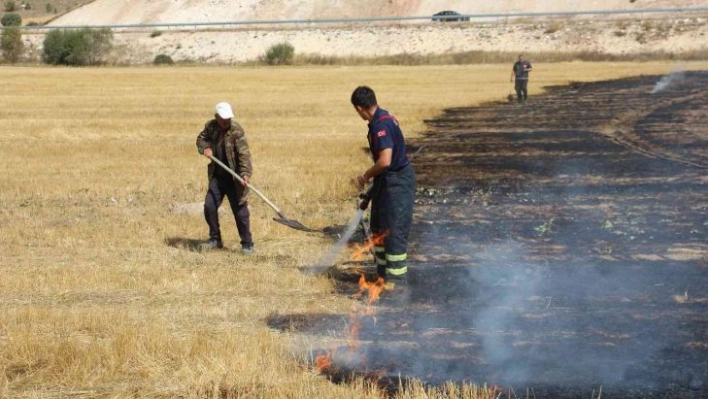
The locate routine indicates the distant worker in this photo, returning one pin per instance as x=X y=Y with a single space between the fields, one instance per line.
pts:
x=393 y=190
x=520 y=72
x=224 y=139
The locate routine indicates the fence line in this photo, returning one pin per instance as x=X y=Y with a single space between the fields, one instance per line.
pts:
x=230 y=24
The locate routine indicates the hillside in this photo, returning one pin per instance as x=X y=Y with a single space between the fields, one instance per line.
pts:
x=106 y=12
x=626 y=34
x=41 y=12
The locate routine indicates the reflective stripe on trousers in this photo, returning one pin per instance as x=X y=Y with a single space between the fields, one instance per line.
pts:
x=396 y=264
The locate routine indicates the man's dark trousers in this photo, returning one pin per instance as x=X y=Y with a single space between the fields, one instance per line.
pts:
x=522 y=92
x=220 y=187
x=392 y=201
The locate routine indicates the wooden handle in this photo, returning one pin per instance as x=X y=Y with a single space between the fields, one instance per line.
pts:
x=255 y=190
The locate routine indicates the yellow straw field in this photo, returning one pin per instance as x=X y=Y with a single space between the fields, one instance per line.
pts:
x=100 y=294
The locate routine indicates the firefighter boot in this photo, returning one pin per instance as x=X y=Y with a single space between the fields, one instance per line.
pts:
x=398 y=291
x=381 y=271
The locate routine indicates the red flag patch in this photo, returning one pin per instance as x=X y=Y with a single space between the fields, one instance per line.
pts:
x=381 y=133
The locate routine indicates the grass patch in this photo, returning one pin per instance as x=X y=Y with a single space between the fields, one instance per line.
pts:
x=488 y=57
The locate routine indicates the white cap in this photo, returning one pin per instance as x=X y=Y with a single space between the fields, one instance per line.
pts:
x=224 y=110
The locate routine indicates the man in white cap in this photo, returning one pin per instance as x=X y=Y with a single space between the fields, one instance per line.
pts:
x=224 y=139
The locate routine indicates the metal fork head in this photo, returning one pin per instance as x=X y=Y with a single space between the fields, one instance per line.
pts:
x=295 y=225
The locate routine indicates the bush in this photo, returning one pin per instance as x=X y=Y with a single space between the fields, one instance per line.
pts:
x=11 y=44
x=163 y=59
x=9 y=6
x=48 y=8
x=77 y=47
x=156 y=33
x=280 y=54
x=28 y=6
x=553 y=28
x=11 y=19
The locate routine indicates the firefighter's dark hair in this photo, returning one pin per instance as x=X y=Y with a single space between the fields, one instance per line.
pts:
x=364 y=96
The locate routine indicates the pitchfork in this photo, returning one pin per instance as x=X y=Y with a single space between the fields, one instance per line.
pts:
x=282 y=219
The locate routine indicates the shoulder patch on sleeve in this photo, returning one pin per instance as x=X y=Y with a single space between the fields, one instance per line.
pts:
x=381 y=133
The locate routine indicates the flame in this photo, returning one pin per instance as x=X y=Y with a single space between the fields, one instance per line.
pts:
x=372 y=289
x=360 y=250
x=323 y=361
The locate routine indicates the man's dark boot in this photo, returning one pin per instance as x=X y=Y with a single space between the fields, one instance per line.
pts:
x=247 y=249
x=381 y=271
x=397 y=291
x=212 y=244
x=397 y=281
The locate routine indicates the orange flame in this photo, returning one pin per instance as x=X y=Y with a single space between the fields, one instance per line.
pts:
x=372 y=289
x=360 y=250
x=324 y=361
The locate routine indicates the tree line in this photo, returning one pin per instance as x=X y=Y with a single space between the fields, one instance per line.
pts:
x=73 y=47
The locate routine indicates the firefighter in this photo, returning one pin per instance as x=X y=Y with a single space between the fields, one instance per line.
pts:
x=393 y=190
x=224 y=139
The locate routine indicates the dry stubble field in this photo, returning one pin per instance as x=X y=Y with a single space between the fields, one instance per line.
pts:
x=100 y=294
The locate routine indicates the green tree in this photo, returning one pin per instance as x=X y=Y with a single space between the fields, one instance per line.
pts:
x=77 y=47
x=163 y=59
x=10 y=6
x=11 y=19
x=11 y=44
x=280 y=54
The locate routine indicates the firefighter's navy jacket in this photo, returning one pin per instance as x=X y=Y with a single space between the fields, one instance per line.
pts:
x=384 y=133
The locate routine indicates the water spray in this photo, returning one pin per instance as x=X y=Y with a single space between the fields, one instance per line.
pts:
x=331 y=256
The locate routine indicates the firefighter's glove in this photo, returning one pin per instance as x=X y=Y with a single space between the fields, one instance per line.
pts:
x=364 y=200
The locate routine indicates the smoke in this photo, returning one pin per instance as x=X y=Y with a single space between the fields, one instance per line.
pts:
x=676 y=76
x=507 y=283
x=538 y=321
x=519 y=323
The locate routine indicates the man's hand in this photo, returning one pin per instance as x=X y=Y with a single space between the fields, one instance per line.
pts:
x=208 y=153
x=246 y=181
x=361 y=181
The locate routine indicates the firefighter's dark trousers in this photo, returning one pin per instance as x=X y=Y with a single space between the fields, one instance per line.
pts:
x=522 y=92
x=220 y=187
x=392 y=199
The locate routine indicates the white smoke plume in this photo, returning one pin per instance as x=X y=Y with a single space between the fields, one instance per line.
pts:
x=676 y=76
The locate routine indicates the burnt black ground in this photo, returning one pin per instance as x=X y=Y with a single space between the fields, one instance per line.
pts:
x=559 y=245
